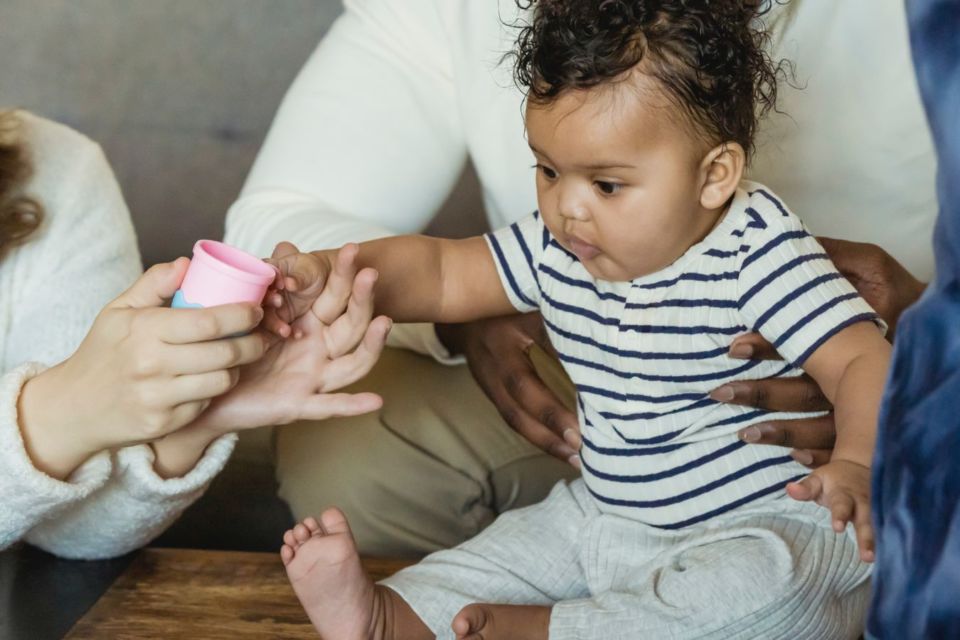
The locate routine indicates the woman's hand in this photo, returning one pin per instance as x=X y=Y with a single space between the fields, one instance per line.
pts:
x=337 y=344
x=141 y=372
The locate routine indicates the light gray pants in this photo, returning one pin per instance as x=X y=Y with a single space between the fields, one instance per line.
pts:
x=773 y=571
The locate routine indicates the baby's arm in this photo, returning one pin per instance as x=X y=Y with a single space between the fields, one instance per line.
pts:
x=421 y=279
x=851 y=369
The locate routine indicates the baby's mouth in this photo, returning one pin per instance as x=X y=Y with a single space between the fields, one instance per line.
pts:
x=581 y=249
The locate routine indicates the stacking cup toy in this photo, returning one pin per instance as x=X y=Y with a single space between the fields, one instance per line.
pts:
x=221 y=274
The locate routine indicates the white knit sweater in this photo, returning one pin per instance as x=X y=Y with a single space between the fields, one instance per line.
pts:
x=51 y=289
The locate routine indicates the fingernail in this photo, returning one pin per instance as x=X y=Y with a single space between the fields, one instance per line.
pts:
x=575 y=461
x=751 y=434
x=802 y=456
x=725 y=393
x=572 y=438
x=744 y=351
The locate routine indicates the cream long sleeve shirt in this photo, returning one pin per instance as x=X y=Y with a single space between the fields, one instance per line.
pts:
x=374 y=132
x=51 y=289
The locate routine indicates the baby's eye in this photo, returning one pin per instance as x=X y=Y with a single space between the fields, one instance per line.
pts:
x=608 y=188
x=547 y=172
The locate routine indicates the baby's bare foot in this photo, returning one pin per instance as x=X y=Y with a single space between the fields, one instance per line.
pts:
x=507 y=621
x=324 y=569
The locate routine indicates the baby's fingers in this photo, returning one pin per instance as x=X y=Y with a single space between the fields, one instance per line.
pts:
x=333 y=300
x=864 y=527
x=841 y=510
x=809 y=488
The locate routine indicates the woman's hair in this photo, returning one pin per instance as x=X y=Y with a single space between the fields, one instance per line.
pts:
x=20 y=215
x=708 y=55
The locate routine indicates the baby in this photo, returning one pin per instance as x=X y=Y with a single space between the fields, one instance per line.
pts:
x=648 y=255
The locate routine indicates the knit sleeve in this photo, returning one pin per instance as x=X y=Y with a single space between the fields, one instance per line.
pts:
x=790 y=291
x=516 y=252
x=27 y=495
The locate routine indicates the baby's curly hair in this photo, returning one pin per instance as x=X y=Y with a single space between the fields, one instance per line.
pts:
x=709 y=55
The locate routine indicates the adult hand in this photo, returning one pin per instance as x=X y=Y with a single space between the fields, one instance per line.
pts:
x=337 y=344
x=498 y=353
x=141 y=372
x=887 y=286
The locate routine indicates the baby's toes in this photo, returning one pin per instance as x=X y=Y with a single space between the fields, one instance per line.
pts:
x=290 y=540
x=301 y=533
x=287 y=554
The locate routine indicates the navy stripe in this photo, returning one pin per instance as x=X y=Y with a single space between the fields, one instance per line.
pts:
x=862 y=317
x=685 y=304
x=756 y=221
x=623 y=397
x=718 y=253
x=731 y=506
x=805 y=320
x=526 y=251
x=506 y=270
x=775 y=202
x=776 y=242
x=719 y=375
x=669 y=473
x=694 y=330
x=793 y=295
x=643 y=355
x=580 y=284
x=776 y=273
x=653 y=415
x=737 y=233
x=622 y=452
x=696 y=277
x=697 y=491
x=579 y=311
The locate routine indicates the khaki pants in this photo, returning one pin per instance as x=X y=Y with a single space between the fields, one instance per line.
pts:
x=428 y=471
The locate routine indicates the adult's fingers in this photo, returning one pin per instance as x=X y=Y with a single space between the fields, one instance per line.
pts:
x=537 y=400
x=195 y=386
x=803 y=433
x=154 y=287
x=214 y=355
x=812 y=458
x=774 y=394
x=329 y=405
x=347 y=369
x=753 y=346
x=533 y=427
x=183 y=326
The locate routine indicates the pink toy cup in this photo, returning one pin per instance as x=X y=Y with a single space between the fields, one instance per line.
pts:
x=221 y=274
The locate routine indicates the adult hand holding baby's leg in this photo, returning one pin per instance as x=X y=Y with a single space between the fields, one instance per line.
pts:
x=843 y=487
x=141 y=372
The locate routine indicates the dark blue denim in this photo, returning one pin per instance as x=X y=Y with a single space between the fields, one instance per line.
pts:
x=916 y=477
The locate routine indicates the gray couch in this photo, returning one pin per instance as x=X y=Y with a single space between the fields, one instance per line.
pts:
x=180 y=94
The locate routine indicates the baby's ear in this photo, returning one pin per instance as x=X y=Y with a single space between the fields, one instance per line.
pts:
x=721 y=171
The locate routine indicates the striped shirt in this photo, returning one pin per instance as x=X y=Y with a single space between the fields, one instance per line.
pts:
x=645 y=354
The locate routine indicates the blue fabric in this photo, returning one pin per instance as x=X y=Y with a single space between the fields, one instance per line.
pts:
x=916 y=479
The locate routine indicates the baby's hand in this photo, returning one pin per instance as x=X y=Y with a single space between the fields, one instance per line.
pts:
x=301 y=278
x=844 y=488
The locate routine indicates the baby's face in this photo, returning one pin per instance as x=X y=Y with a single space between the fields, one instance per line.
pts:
x=618 y=179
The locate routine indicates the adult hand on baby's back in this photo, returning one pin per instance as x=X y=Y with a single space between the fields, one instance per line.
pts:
x=498 y=353
x=141 y=372
x=887 y=286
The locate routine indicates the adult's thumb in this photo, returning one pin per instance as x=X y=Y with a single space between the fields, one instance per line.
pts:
x=154 y=287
